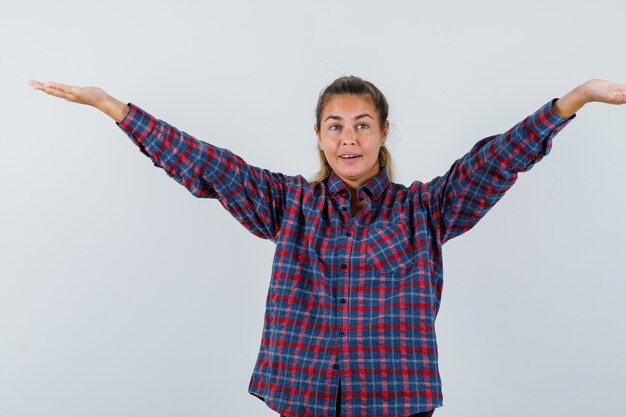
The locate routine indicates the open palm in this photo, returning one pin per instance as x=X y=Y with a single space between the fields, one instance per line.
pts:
x=83 y=95
x=605 y=91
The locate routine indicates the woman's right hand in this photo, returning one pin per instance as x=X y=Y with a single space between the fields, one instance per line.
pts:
x=92 y=96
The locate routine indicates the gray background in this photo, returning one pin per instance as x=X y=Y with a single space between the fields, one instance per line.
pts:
x=123 y=295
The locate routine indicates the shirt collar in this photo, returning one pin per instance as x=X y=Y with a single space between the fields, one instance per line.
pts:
x=374 y=187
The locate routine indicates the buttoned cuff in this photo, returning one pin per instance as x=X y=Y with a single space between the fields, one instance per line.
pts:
x=138 y=124
x=545 y=122
x=534 y=140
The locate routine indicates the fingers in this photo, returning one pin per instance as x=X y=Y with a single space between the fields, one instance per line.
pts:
x=49 y=86
x=36 y=84
x=617 y=94
x=55 y=89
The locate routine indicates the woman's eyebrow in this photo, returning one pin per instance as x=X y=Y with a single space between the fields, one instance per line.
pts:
x=332 y=116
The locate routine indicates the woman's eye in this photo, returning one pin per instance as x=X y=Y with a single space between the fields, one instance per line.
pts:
x=332 y=128
x=363 y=126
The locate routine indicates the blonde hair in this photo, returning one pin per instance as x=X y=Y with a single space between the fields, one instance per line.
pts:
x=353 y=85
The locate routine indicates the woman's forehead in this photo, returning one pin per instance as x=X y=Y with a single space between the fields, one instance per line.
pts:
x=348 y=105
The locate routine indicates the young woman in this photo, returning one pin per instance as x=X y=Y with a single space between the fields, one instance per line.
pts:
x=357 y=276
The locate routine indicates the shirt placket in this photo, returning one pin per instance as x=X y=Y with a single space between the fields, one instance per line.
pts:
x=341 y=301
x=348 y=270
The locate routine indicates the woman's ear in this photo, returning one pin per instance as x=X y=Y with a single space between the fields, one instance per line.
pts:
x=317 y=134
x=385 y=132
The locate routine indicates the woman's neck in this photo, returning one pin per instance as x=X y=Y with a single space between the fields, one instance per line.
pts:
x=355 y=204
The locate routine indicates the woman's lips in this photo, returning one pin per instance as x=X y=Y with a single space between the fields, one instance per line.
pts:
x=350 y=160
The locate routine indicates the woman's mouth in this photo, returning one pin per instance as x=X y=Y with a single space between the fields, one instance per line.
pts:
x=350 y=159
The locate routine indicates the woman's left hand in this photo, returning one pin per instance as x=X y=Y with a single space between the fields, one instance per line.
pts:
x=604 y=91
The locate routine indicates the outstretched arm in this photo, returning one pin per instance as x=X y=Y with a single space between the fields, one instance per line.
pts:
x=475 y=182
x=91 y=96
x=593 y=90
x=254 y=196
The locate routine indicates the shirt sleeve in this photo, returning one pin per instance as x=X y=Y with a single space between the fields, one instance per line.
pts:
x=254 y=196
x=477 y=181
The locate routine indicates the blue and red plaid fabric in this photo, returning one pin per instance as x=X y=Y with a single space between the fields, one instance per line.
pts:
x=351 y=298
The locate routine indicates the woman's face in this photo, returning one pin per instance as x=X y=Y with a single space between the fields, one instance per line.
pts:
x=350 y=135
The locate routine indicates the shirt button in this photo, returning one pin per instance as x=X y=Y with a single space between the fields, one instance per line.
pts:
x=342 y=334
x=348 y=234
x=344 y=208
x=336 y=366
x=343 y=301
x=344 y=266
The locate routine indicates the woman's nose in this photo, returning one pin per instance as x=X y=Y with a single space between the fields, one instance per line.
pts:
x=348 y=136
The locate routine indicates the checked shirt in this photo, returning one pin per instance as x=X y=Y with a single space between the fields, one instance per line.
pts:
x=352 y=299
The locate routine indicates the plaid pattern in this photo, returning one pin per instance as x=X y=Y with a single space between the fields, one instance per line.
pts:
x=351 y=299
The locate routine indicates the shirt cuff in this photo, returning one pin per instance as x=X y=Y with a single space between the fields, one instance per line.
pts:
x=546 y=123
x=138 y=124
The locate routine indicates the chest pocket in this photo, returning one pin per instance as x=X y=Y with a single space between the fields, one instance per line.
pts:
x=389 y=247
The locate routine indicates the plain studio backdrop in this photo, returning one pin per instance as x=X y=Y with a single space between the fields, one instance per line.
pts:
x=123 y=295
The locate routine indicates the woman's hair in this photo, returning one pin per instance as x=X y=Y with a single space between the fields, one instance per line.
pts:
x=354 y=86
